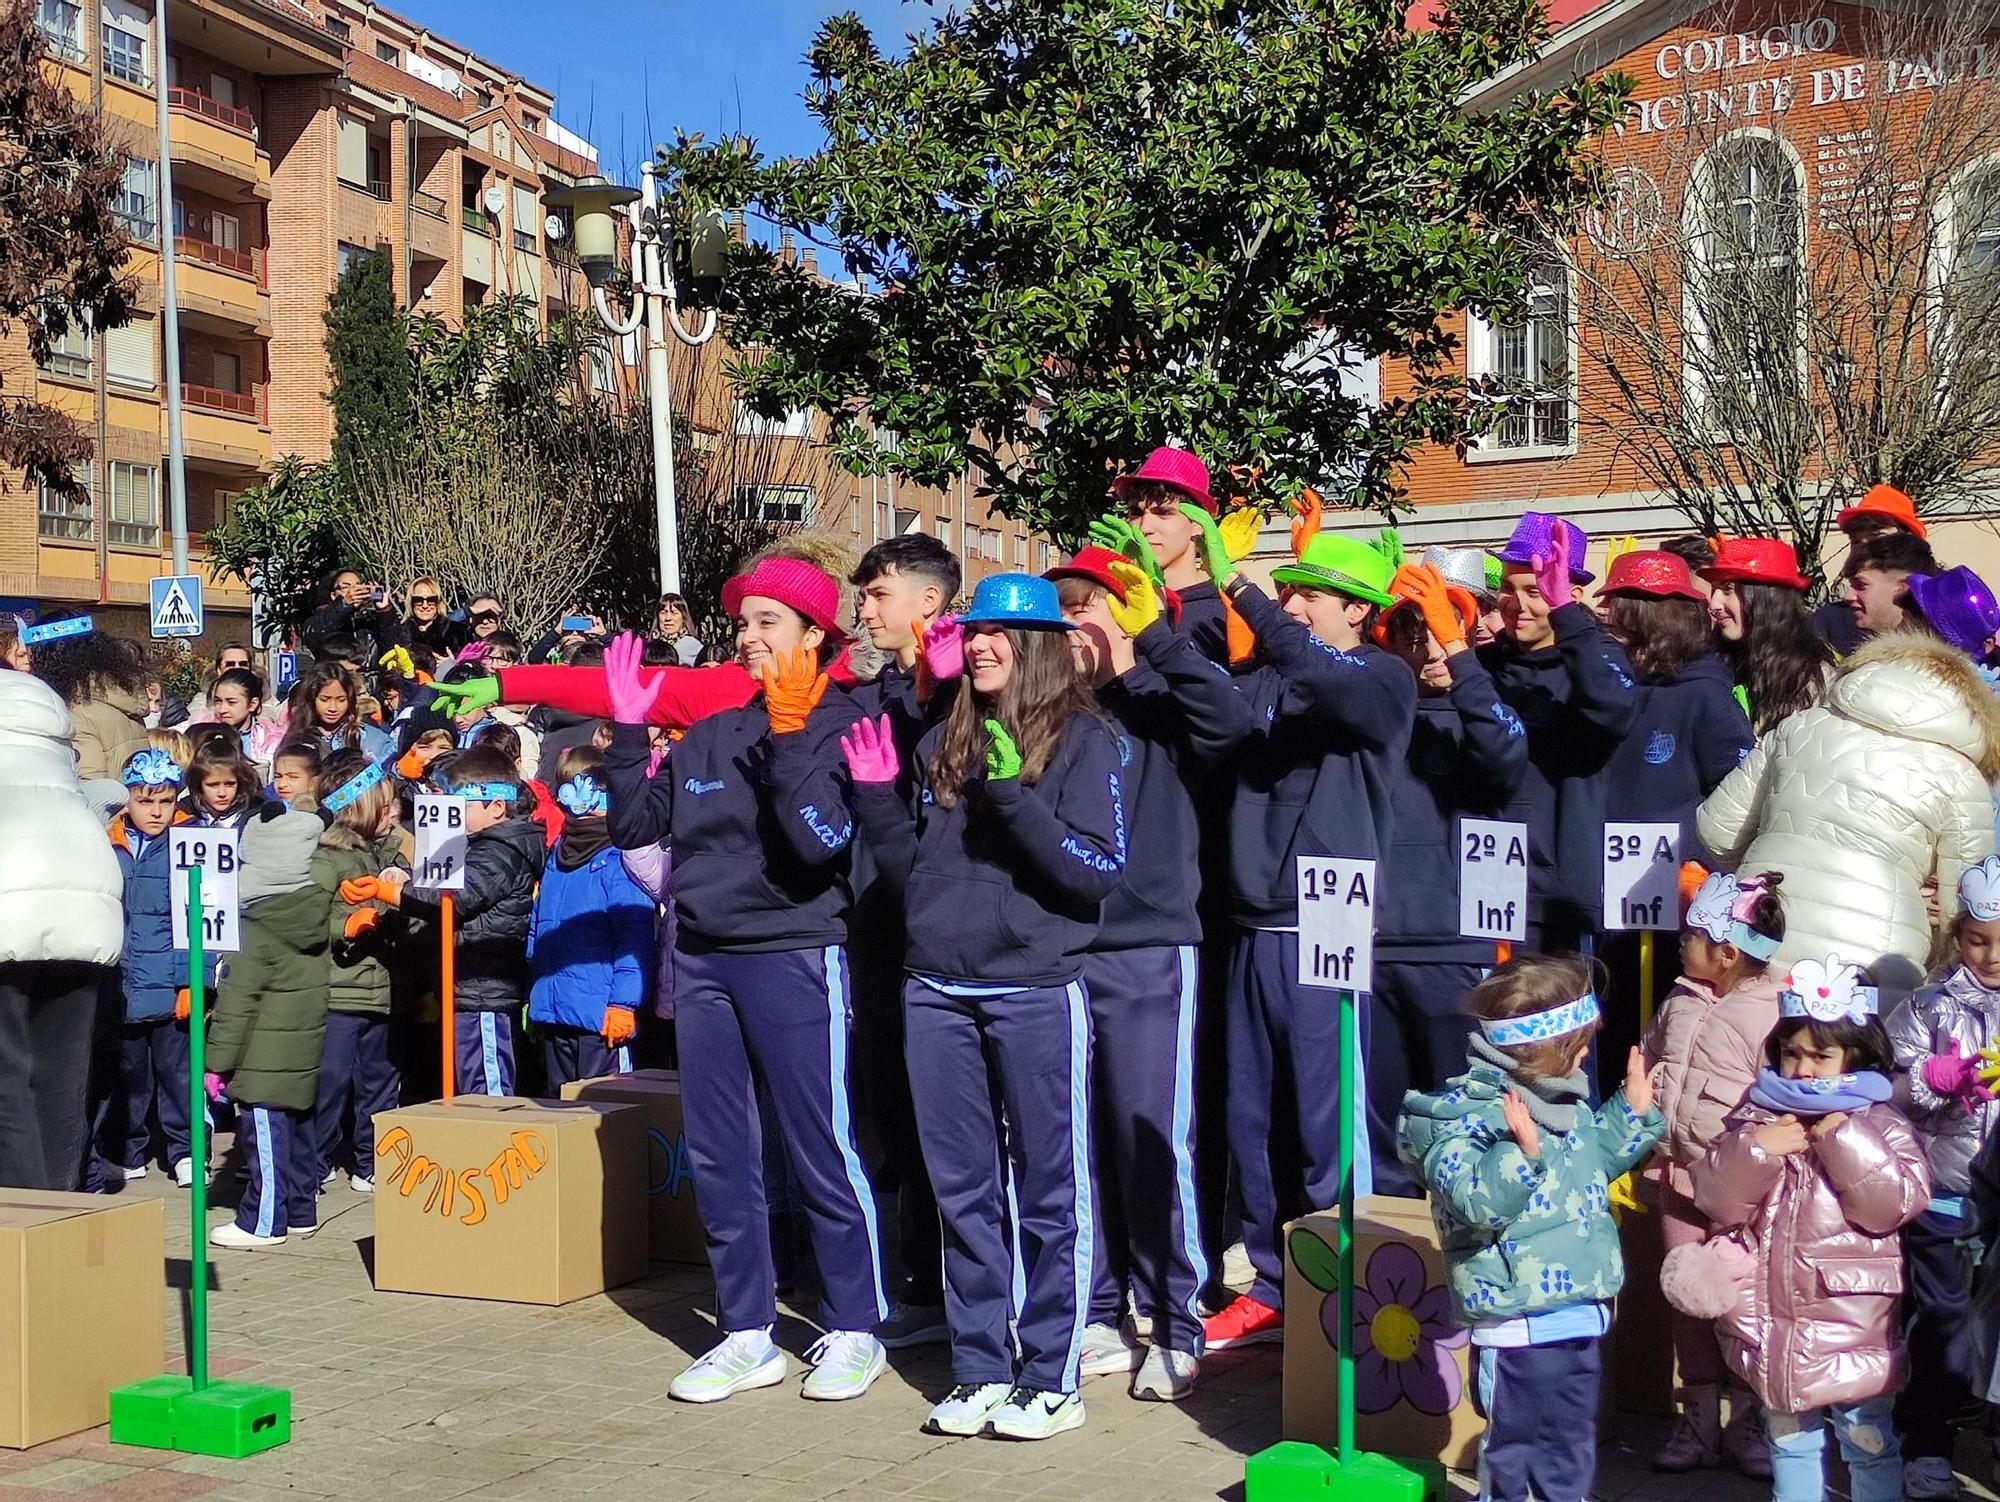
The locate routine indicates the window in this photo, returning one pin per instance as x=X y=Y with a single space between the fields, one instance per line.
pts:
x=228 y=371
x=129 y=358
x=1531 y=363
x=66 y=518
x=944 y=530
x=222 y=89
x=796 y=423
x=62 y=23
x=135 y=505
x=340 y=29
x=883 y=521
x=225 y=230
x=378 y=171
x=781 y=505
x=1745 y=283
x=138 y=199
x=484 y=98
x=603 y=367
x=127 y=44
x=389 y=52
x=526 y=217
x=346 y=255
x=69 y=356
x=1043 y=563
x=531 y=122
x=1020 y=552
x=353 y=153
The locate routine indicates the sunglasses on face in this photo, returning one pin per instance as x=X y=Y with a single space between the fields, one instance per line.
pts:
x=425 y=599
x=485 y=617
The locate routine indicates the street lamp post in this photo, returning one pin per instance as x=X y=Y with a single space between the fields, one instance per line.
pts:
x=595 y=205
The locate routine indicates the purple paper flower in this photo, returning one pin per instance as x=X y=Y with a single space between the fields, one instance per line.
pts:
x=1403 y=1336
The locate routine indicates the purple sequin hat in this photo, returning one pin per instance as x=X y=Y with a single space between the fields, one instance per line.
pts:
x=1959 y=607
x=1531 y=539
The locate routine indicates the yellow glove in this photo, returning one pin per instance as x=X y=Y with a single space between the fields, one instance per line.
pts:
x=397 y=660
x=1989 y=1065
x=1239 y=532
x=1141 y=605
x=1625 y=1198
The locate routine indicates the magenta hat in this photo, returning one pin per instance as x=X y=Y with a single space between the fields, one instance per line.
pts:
x=1531 y=541
x=1959 y=607
x=1175 y=467
x=811 y=591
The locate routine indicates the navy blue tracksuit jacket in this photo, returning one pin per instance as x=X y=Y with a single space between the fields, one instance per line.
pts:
x=1689 y=734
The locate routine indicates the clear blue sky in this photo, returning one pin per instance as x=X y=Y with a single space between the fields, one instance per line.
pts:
x=627 y=72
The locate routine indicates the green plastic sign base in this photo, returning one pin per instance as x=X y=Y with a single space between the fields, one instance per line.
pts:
x=226 y=1419
x=1294 y=1472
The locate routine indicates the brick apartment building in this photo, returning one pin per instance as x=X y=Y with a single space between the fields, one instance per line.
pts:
x=302 y=132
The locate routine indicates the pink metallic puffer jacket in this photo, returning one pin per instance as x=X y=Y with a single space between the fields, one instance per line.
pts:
x=1817 y=1324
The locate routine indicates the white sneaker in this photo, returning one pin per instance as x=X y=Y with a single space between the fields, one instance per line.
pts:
x=1237 y=1273
x=331 y=1175
x=1028 y=1414
x=913 y=1325
x=845 y=1364
x=183 y=1174
x=129 y=1174
x=302 y=1232
x=233 y=1237
x=744 y=1358
x=1929 y=1479
x=360 y=1183
x=1108 y=1349
x=1166 y=1376
x=966 y=1408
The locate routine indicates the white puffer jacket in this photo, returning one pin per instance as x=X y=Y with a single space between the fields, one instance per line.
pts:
x=1856 y=801
x=61 y=897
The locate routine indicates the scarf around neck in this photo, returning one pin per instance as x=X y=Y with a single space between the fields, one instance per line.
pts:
x=1552 y=1101
x=1843 y=1092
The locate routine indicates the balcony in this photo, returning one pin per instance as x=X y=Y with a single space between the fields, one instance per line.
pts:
x=377 y=188
x=428 y=203
x=226 y=429
x=246 y=263
x=473 y=218
x=235 y=403
x=194 y=102
x=222 y=290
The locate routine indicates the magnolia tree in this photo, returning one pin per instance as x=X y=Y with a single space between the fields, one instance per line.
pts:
x=1068 y=229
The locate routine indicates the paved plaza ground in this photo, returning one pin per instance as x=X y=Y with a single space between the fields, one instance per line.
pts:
x=396 y=1395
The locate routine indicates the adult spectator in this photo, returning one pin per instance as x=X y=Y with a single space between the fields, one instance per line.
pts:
x=1884 y=511
x=355 y=608
x=482 y=617
x=15 y=654
x=427 y=625
x=102 y=679
x=1876 y=576
x=61 y=930
x=1757 y=604
x=672 y=623
x=1860 y=799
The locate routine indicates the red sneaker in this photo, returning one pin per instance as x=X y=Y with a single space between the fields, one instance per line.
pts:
x=1247 y=1322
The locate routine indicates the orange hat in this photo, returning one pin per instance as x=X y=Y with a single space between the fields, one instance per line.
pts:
x=1886 y=501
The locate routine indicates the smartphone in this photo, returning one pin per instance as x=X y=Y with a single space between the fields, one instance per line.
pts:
x=576 y=623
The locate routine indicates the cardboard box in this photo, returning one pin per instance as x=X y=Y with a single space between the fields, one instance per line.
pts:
x=1417 y=1403
x=676 y=1223
x=496 y=1197
x=83 y=1279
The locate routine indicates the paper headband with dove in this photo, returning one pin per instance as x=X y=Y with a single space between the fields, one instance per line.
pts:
x=1538 y=1027
x=151 y=769
x=1828 y=990
x=583 y=796
x=1725 y=909
x=1979 y=890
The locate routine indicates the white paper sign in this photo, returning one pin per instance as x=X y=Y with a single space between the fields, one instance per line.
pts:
x=1492 y=880
x=1336 y=923
x=1642 y=876
x=441 y=841
x=215 y=851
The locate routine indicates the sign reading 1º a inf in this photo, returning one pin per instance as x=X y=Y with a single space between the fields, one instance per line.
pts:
x=1336 y=923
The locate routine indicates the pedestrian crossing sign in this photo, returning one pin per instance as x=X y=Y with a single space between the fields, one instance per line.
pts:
x=177 y=605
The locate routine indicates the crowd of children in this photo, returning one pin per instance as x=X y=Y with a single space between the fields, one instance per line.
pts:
x=941 y=911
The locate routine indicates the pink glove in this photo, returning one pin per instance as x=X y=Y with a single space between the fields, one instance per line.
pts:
x=944 y=648
x=1954 y=1074
x=870 y=751
x=213 y=1084
x=631 y=700
x=1552 y=569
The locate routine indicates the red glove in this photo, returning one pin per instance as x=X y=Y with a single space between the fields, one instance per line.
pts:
x=619 y=1026
x=183 y=1004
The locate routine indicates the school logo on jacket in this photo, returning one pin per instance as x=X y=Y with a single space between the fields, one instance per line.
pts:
x=1659 y=748
x=1124 y=752
x=698 y=788
x=1508 y=719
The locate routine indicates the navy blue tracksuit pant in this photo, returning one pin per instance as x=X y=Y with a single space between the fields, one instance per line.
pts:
x=781 y=1019
x=1416 y=1026
x=354 y=1071
x=1284 y=1098
x=1024 y=1056
x=1142 y=1026
x=1540 y=1407
x=484 y=1042
x=153 y=1064
x=570 y=1053
x=282 y=1192
x=1936 y=1302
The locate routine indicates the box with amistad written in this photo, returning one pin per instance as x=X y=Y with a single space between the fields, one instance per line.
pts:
x=83 y=1280
x=499 y=1197
x=676 y=1222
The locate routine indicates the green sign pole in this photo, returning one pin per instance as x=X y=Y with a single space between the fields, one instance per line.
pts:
x=1350 y=1032
x=197 y=1141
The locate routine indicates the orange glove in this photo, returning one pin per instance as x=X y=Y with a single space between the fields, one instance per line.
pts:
x=1693 y=874
x=1241 y=639
x=619 y=1026
x=183 y=1004
x=793 y=684
x=1447 y=610
x=359 y=889
x=1305 y=520
x=360 y=921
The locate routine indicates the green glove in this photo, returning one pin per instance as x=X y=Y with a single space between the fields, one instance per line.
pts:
x=1119 y=535
x=1214 y=551
x=1003 y=757
x=1389 y=543
x=464 y=698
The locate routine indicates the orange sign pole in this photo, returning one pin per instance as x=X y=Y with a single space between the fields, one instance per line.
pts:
x=447 y=980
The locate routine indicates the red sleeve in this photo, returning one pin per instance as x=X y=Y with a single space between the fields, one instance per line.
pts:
x=686 y=694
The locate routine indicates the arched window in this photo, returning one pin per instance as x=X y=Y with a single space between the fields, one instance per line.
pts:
x=1745 y=284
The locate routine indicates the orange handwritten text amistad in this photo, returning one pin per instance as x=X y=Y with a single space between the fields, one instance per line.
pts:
x=462 y=1194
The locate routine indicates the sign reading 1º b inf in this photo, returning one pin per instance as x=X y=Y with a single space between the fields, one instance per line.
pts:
x=215 y=851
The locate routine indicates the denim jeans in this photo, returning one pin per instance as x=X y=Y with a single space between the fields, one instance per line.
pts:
x=1868 y=1444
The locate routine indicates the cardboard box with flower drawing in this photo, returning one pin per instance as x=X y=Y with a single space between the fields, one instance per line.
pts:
x=1412 y=1394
